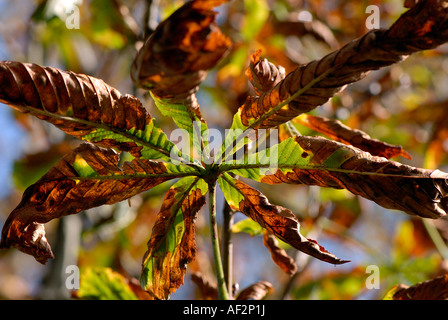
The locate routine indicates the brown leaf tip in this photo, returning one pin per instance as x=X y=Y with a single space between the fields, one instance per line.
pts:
x=28 y=238
x=175 y=58
x=328 y=257
x=263 y=74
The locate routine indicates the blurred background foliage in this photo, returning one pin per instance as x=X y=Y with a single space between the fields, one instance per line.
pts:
x=404 y=104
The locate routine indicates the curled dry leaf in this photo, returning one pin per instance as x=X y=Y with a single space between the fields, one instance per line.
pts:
x=85 y=178
x=424 y=26
x=257 y=291
x=410 y=3
x=279 y=256
x=172 y=243
x=276 y=219
x=357 y=138
x=325 y=163
x=434 y=289
x=84 y=107
x=263 y=74
x=174 y=60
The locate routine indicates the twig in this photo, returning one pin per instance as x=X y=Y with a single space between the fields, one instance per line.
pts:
x=438 y=241
x=222 y=288
x=227 y=247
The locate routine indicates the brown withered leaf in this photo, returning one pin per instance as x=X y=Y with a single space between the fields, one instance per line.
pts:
x=423 y=27
x=209 y=290
x=172 y=243
x=357 y=138
x=410 y=3
x=256 y=291
x=80 y=105
x=263 y=74
x=434 y=289
x=393 y=185
x=87 y=177
x=276 y=219
x=174 y=60
x=279 y=256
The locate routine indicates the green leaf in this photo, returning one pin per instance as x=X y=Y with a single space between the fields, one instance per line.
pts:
x=276 y=219
x=87 y=177
x=257 y=11
x=104 y=284
x=172 y=242
x=84 y=107
x=326 y=163
x=186 y=119
x=247 y=226
x=390 y=294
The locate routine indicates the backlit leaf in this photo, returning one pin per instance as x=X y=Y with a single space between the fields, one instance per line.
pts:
x=248 y=226
x=104 y=284
x=276 y=219
x=279 y=255
x=85 y=178
x=434 y=289
x=172 y=243
x=174 y=61
x=313 y=84
x=326 y=163
x=340 y=132
x=175 y=58
x=84 y=107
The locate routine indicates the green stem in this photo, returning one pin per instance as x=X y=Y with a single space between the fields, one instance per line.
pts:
x=227 y=247
x=436 y=238
x=222 y=289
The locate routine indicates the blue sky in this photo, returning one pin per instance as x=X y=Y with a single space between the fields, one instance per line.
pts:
x=12 y=137
x=11 y=141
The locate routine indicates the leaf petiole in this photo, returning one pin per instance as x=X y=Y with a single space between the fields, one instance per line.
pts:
x=222 y=288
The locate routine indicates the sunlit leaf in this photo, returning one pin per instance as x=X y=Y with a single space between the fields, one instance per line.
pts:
x=276 y=219
x=104 y=284
x=174 y=61
x=263 y=74
x=257 y=11
x=326 y=163
x=313 y=84
x=172 y=243
x=175 y=58
x=84 y=107
x=87 y=177
x=434 y=289
x=279 y=255
x=357 y=138
x=247 y=226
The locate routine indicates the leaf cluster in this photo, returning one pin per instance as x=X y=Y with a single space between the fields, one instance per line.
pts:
x=172 y=64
